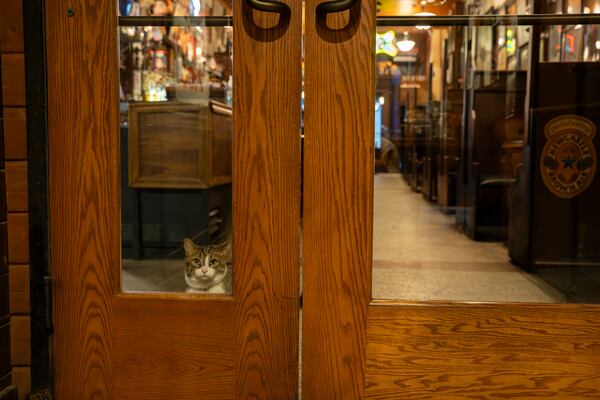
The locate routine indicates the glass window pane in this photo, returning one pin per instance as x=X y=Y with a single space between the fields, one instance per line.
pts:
x=176 y=127
x=486 y=182
x=161 y=8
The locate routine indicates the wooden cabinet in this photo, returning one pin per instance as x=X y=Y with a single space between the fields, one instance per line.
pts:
x=179 y=145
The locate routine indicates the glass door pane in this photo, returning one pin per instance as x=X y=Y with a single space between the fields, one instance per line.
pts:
x=486 y=183
x=176 y=155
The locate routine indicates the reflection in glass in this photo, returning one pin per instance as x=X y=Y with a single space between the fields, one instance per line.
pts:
x=486 y=186
x=178 y=8
x=176 y=125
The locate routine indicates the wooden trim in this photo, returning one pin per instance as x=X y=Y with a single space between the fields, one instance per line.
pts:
x=442 y=351
x=83 y=163
x=338 y=183
x=220 y=108
x=267 y=86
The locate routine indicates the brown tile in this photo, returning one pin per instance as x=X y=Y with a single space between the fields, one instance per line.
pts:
x=5 y=349
x=18 y=280
x=11 y=26
x=16 y=186
x=2 y=195
x=18 y=238
x=20 y=340
x=22 y=379
x=3 y=248
x=15 y=133
x=4 y=296
x=13 y=79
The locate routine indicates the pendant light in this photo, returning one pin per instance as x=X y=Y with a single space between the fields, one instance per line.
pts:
x=424 y=13
x=405 y=45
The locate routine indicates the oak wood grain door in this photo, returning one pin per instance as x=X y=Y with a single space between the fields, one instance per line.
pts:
x=355 y=346
x=109 y=344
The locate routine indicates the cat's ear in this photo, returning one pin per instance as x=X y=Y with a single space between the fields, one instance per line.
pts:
x=189 y=246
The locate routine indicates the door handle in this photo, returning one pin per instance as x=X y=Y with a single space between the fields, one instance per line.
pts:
x=270 y=6
x=334 y=6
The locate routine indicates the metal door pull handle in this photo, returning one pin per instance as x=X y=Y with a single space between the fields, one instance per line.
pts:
x=334 y=6
x=270 y=6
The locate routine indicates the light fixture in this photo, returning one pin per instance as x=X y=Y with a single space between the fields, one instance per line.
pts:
x=424 y=13
x=385 y=43
x=405 y=45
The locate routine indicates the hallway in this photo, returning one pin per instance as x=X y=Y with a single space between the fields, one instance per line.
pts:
x=419 y=254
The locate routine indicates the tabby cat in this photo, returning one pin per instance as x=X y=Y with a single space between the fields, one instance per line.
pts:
x=208 y=268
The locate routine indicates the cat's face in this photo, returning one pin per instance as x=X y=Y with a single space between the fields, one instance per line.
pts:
x=206 y=266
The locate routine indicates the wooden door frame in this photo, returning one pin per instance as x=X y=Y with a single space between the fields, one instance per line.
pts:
x=355 y=346
x=244 y=345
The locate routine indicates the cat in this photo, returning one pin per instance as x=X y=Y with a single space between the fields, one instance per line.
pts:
x=208 y=268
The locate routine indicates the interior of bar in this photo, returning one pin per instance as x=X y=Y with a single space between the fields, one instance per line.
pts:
x=480 y=192
x=485 y=146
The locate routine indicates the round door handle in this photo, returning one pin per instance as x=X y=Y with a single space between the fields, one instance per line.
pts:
x=269 y=6
x=334 y=6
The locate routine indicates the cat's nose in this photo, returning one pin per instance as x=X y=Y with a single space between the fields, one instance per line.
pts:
x=204 y=270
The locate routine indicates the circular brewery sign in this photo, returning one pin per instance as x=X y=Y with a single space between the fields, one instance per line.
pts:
x=568 y=161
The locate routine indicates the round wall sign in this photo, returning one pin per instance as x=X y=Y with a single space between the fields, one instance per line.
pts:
x=568 y=161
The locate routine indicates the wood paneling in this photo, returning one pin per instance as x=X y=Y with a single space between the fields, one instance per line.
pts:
x=448 y=351
x=11 y=26
x=266 y=199
x=16 y=186
x=18 y=277
x=174 y=348
x=338 y=175
x=18 y=238
x=21 y=377
x=83 y=158
x=13 y=79
x=15 y=133
x=20 y=340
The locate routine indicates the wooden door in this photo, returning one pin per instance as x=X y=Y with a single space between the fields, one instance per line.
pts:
x=355 y=346
x=111 y=344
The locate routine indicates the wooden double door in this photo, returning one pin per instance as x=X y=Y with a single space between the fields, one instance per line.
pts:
x=298 y=208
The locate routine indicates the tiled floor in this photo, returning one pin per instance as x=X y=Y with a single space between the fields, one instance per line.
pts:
x=419 y=254
x=153 y=276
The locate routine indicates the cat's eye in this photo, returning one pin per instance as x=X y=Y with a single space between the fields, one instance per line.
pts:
x=214 y=262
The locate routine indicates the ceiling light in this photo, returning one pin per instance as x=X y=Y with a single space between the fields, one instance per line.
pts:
x=405 y=45
x=424 y=13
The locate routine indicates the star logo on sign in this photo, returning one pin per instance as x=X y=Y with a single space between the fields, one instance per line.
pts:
x=568 y=162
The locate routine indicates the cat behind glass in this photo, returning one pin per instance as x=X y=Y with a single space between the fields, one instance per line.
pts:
x=208 y=267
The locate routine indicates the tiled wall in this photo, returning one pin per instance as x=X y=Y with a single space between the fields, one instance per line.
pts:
x=15 y=169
